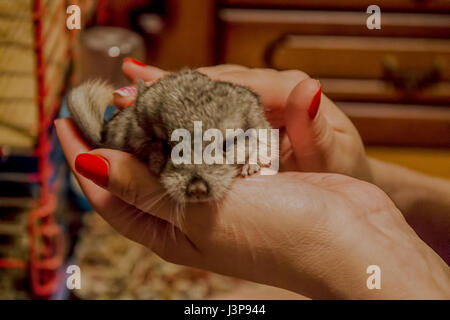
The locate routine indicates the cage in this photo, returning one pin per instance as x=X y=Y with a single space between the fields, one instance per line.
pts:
x=36 y=51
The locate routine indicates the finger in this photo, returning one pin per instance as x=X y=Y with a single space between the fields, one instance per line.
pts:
x=308 y=130
x=335 y=116
x=135 y=224
x=272 y=86
x=135 y=70
x=128 y=179
x=125 y=97
x=72 y=144
x=215 y=71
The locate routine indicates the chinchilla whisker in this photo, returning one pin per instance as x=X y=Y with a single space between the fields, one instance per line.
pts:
x=180 y=215
x=153 y=199
x=129 y=220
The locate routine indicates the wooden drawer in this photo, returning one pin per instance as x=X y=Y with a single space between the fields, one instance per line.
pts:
x=395 y=64
x=413 y=5
x=403 y=69
x=247 y=34
x=361 y=57
x=381 y=91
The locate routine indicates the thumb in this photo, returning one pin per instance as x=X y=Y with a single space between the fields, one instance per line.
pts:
x=125 y=177
x=134 y=70
x=150 y=217
x=137 y=225
x=307 y=128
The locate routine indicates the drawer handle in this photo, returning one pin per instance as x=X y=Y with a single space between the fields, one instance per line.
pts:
x=407 y=80
x=410 y=80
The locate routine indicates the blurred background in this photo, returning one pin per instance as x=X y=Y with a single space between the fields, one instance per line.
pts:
x=393 y=82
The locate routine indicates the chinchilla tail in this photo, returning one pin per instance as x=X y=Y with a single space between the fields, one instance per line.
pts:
x=87 y=104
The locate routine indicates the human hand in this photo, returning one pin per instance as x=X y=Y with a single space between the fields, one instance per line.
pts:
x=314 y=234
x=316 y=136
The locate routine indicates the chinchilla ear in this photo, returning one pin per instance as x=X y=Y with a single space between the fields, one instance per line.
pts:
x=147 y=110
x=141 y=87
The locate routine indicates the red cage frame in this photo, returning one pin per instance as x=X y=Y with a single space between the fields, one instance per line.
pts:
x=46 y=242
x=46 y=254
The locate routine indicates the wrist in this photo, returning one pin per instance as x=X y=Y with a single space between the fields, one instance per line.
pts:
x=394 y=181
x=411 y=191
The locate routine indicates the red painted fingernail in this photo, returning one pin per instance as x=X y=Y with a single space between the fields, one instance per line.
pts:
x=135 y=61
x=93 y=167
x=129 y=103
x=129 y=91
x=315 y=103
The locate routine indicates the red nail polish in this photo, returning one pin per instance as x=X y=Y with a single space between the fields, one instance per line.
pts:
x=93 y=167
x=135 y=61
x=315 y=103
x=128 y=91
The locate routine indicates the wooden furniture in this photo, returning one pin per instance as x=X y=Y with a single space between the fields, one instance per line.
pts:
x=394 y=83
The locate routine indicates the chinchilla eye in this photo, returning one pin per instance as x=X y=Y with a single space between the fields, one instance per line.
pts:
x=166 y=149
x=229 y=144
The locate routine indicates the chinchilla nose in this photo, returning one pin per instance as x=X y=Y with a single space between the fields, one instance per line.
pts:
x=197 y=188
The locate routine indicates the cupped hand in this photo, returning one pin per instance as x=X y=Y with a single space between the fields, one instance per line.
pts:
x=316 y=136
x=311 y=233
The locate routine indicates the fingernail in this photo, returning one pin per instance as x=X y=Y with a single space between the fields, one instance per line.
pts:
x=315 y=103
x=93 y=167
x=135 y=61
x=129 y=91
x=128 y=103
